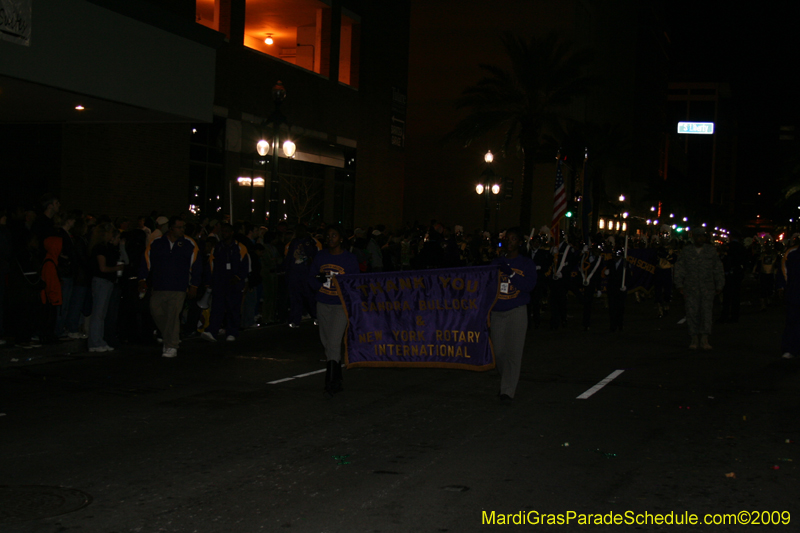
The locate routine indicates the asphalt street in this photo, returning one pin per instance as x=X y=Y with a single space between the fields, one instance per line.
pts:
x=208 y=442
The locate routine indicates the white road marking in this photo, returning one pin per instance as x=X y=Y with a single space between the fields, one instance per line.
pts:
x=600 y=385
x=279 y=381
x=320 y=371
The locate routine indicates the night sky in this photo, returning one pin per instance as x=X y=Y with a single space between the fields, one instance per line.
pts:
x=756 y=52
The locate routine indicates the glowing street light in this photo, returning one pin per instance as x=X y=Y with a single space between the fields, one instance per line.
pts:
x=489 y=185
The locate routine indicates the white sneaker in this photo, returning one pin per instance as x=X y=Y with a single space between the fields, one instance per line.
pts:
x=74 y=335
x=206 y=336
x=294 y=326
x=787 y=355
x=230 y=338
x=170 y=352
x=101 y=349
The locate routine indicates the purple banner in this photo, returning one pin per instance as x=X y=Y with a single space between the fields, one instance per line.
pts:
x=421 y=318
x=643 y=268
x=643 y=262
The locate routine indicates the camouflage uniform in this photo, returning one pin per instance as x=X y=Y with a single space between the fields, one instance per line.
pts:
x=700 y=274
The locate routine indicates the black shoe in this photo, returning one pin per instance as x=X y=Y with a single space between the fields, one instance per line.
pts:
x=333 y=379
x=336 y=380
x=505 y=399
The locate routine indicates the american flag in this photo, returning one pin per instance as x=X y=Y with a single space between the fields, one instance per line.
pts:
x=559 y=201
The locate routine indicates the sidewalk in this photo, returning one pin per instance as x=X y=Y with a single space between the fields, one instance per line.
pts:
x=11 y=355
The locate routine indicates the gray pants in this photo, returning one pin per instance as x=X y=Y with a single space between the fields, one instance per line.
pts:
x=699 y=310
x=332 y=322
x=166 y=307
x=508 y=337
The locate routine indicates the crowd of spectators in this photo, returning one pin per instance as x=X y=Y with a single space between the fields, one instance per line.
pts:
x=71 y=275
x=74 y=275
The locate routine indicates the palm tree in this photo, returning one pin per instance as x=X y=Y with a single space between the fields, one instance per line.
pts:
x=525 y=102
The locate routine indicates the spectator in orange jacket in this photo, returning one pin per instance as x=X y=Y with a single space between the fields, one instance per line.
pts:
x=51 y=294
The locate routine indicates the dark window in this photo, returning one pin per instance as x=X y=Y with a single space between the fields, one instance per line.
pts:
x=206 y=181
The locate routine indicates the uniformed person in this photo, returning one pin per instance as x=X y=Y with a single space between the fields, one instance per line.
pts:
x=541 y=256
x=767 y=263
x=564 y=262
x=699 y=276
x=665 y=260
x=791 y=332
x=618 y=274
x=591 y=271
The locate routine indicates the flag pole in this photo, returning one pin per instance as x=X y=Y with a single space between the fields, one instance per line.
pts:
x=625 y=264
x=555 y=228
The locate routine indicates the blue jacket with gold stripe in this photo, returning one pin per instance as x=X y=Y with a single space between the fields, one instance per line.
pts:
x=229 y=266
x=171 y=266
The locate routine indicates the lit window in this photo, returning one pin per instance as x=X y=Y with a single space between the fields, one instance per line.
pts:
x=300 y=31
x=349 y=41
x=207 y=14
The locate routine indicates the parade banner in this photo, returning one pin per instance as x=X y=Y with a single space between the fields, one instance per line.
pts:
x=422 y=318
x=643 y=263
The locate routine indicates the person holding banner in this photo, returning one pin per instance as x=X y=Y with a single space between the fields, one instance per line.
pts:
x=509 y=317
x=663 y=278
x=331 y=316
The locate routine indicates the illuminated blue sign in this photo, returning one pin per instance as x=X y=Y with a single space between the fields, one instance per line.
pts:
x=699 y=128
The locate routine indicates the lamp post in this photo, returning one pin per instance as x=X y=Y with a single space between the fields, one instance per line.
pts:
x=277 y=119
x=488 y=185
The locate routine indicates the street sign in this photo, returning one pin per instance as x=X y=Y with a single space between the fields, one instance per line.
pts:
x=699 y=128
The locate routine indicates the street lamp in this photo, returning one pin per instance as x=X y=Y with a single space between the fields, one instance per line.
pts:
x=488 y=186
x=277 y=119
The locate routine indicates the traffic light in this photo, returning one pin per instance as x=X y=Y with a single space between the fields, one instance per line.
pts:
x=572 y=207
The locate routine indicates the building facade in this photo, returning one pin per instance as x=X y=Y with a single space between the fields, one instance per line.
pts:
x=175 y=94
